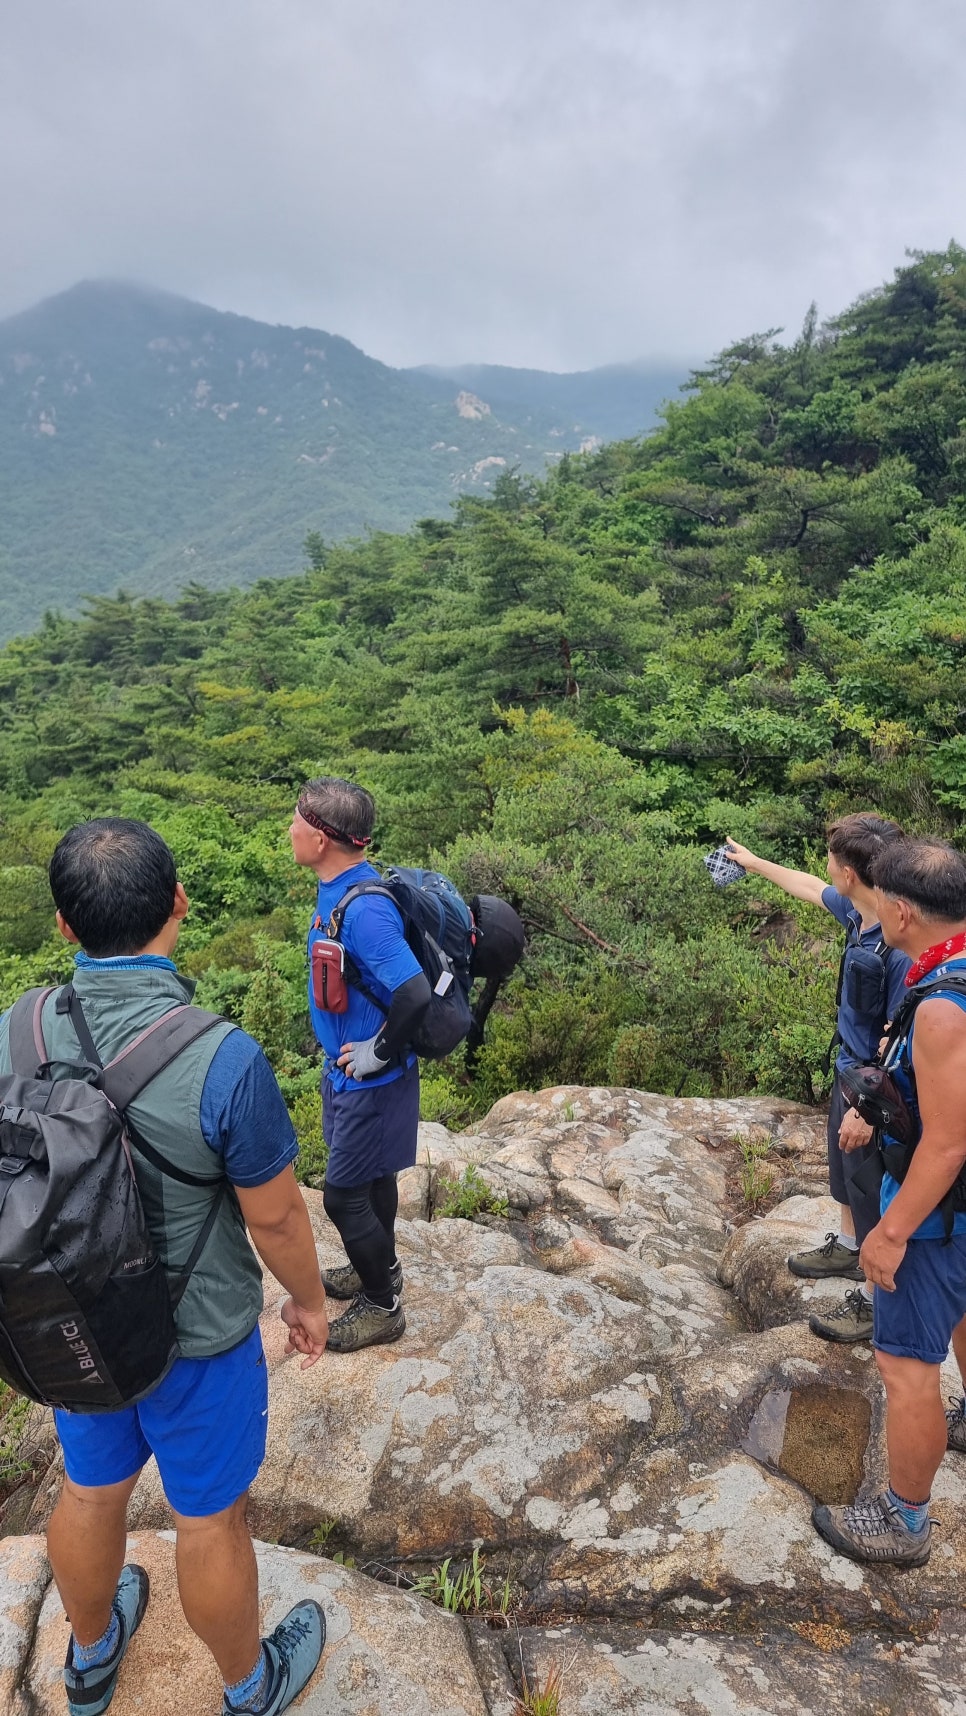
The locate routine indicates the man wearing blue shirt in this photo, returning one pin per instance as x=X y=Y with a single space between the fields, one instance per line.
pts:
x=916 y=1254
x=870 y=989
x=215 y=1108
x=370 y=1080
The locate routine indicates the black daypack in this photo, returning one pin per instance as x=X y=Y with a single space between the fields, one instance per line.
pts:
x=453 y=943
x=86 y=1304
x=867 y=984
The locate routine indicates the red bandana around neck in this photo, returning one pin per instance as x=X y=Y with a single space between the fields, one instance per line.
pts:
x=934 y=956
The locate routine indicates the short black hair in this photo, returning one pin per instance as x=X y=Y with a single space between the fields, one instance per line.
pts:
x=113 y=882
x=858 y=839
x=929 y=874
x=347 y=807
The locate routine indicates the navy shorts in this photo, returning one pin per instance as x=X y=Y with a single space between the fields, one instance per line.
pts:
x=371 y=1131
x=918 y=1319
x=205 y=1424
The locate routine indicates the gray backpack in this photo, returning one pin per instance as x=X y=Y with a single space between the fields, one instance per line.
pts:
x=86 y=1304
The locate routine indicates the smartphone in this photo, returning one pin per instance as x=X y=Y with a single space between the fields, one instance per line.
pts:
x=330 y=991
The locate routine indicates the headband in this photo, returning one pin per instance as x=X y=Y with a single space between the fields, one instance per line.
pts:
x=314 y=821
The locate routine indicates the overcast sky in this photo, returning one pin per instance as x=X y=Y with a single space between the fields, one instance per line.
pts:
x=556 y=183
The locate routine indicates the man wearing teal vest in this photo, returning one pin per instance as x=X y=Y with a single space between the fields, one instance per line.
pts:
x=215 y=1109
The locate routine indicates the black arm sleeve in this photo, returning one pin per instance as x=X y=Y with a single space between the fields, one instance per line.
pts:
x=409 y=1003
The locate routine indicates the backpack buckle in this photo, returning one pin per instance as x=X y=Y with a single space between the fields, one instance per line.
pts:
x=13 y=1164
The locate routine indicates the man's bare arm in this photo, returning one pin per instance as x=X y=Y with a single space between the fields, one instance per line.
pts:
x=799 y=883
x=939 y=1062
x=280 y=1230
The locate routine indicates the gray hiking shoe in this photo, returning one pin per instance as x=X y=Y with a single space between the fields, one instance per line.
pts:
x=90 y=1690
x=344 y=1283
x=851 y=1321
x=956 y=1425
x=828 y=1259
x=873 y=1531
x=365 y=1325
x=293 y=1651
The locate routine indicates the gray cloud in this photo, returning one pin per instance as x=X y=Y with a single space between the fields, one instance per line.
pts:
x=538 y=182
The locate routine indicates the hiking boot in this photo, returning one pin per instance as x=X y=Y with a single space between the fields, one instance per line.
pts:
x=956 y=1425
x=293 y=1651
x=873 y=1531
x=365 y=1325
x=344 y=1283
x=828 y=1259
x=90 y=1690
x=851 y=1321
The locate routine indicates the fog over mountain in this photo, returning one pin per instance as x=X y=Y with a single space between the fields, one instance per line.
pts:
x=147 y=441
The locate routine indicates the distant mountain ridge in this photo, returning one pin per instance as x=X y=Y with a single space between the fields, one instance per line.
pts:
x=147 y=441
x=608 y=404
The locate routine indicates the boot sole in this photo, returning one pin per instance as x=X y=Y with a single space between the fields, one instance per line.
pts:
x=806 y=1273
x=824 y=1334
x=844 y=1546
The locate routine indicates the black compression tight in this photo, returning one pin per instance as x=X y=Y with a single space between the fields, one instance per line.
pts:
x=365 y=1217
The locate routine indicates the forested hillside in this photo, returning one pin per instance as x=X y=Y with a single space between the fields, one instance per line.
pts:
x=750 y=621
x=146 y=440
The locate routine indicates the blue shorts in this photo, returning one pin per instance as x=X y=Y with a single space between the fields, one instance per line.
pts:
x=371 y=1131
x=205 y=1424
x=918 y=1319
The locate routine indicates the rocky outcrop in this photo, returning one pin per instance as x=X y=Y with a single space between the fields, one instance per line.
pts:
x=387 y=1652
x=613 y=1392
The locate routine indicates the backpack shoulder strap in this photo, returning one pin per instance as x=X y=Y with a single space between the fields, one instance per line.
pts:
x=338 y=912
x=124 y=1078
x=909 y=1004
x=28 y=1051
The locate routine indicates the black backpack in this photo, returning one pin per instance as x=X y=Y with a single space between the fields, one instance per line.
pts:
x=454 y=943
x=86 y=1305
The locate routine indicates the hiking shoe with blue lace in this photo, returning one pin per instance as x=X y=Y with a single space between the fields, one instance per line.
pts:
x=956 y=1426
x=345 y=1283
x=873 y=1531
x=365 y=1325
x=832 y=1258
x=292 y=1651
x=90 y=1690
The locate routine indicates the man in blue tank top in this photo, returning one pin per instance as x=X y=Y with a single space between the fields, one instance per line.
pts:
x=916 y=1255
x=364 y=1023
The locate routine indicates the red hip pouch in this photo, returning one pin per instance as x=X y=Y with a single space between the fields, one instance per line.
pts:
x=330 y=991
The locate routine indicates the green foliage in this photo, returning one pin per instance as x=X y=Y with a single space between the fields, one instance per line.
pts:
x=756 y=1178
x=306 y=1111
x=748 y=622
x=465 y=1591
x=468 y=1196
x=14 y=1463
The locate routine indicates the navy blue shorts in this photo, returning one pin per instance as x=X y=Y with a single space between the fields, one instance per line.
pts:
x=918 y=1319
x=205 y=1424
x=370 y=1131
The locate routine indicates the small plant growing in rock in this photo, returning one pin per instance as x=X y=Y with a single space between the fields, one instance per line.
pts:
x=465 y=1592
x=541 y=1697
x=320 y=1535
x=468 y=1196
x=756 y=1177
